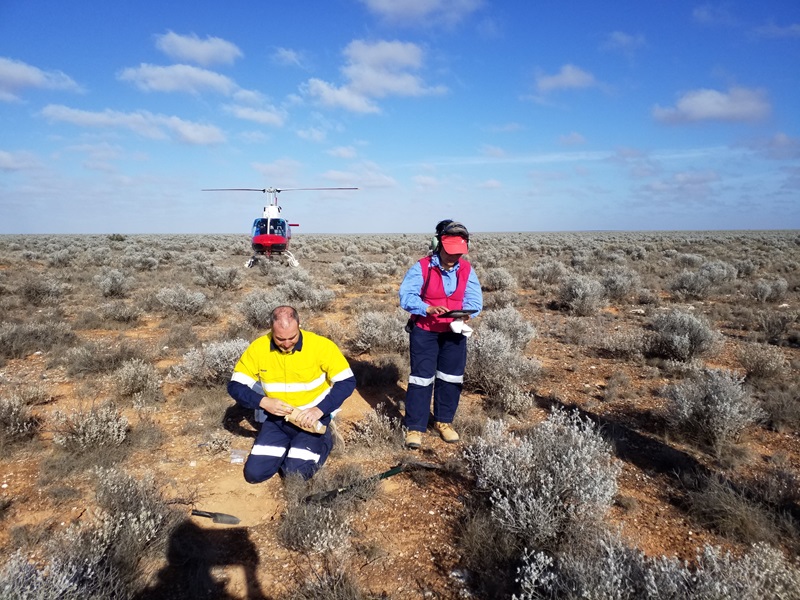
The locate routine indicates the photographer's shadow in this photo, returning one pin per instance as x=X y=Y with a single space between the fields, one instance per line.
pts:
x=193 y=554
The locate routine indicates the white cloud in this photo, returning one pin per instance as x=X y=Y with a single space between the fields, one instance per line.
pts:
x=177 y=78
x=709 y=14
x=738 y=104
x=343 y=152
x=142 y=123
x=278 y=173
x=569 y=77
x=683 y=186
x=374 y=70
x=619 y=41
x=18 y=161
x=16 y=76
x=490 y=184
x=423 y=12
x=495 y=151
x=265 y=116
x=426 y=182
x=774 y=31
x=571 y=139
x=288 y=58
x=210 y=51
x=506 y=128
x=312 y=134
x=779 y=147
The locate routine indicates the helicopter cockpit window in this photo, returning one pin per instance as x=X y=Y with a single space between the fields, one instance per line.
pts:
x=260 y=226
x=277 y=227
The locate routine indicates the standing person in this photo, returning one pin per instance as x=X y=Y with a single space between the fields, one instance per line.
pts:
x=438 y=283
x=295 y=380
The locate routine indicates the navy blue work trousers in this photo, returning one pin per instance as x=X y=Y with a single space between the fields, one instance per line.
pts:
x=282 y=446
x=438 y=361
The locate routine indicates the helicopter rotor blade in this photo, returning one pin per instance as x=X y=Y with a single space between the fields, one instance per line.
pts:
x=262 y=190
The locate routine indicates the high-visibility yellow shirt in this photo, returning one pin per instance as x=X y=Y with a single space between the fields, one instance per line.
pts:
x=302 y=378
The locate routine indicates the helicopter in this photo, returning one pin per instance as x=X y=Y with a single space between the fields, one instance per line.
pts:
x=271 y=233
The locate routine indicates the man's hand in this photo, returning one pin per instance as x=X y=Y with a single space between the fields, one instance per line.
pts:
x=436 y=310
x=275 y=406
x=309 y=416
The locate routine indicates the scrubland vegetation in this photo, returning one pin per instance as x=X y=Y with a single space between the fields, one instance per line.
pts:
x=629 y=423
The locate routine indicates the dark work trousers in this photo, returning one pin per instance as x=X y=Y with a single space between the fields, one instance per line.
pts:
x=285 y=447
x=438 y=361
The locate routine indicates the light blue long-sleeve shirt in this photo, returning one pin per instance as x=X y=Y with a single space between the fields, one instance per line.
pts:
x=411 y=288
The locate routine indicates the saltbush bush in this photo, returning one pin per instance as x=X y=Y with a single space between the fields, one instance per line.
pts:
x=510 y=322
x=712 y=407
x=496 y=366
x=181 y=301
x=212 y=363
x=582 y=295
x=681 y=336
x=380 y=331
x=81 y=431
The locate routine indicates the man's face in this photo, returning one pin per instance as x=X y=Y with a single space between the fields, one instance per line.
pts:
x=285 y=335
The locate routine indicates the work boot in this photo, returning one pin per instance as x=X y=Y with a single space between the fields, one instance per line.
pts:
x=413 y=439
x=447 y=432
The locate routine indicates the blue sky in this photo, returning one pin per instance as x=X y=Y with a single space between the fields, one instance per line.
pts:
x=518 y=115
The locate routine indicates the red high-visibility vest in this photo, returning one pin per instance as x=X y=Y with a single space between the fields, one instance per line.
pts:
x=435 y=296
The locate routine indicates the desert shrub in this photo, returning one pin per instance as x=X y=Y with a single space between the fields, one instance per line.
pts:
x=761 y=361
x=606 y=568
x=774 y=324
x=17 y=423
x=718 y=272
x=496 y=279
x=769 y=291
x=548 y=271
x=495 y=366
x=258 y=305
x=322 y=526
x=681 y=336
x=120 y=312
x=377 y=429
x=333 y=581
x=225 y=278
x=212 y=363
x=620 y=282
x=61 y=258
x=691 y=285
x=381 y=332
x=512 y=400
x=137 y=377
x=715 y=503
x=712 y=408
x=41 y=291
x=140 y=261
x=783 y=409
x=548 y=483
x=91 y=358
x=82 y=431
x=99 y=558
x=181 y=301
x=581 y=295
x=113 y=283
x=20 y=339
x=617 y=387
x=510 y=322
x=689 y=260
x=304 y=294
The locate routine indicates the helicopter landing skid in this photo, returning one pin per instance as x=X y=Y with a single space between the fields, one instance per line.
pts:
x=253 y=260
